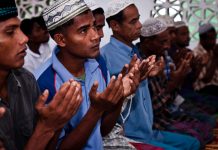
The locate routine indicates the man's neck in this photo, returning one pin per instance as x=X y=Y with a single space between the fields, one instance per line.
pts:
x=145 y=50
x=34 y=47
x=123 y=40
x=73 y=64
x=3 y=84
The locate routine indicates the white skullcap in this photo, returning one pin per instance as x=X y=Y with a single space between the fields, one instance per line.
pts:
x=62 y=11
x=116 y=6
x=92 y=4
x=180 y=24
x=167 y=19
x=204 y=28
x=153 y=26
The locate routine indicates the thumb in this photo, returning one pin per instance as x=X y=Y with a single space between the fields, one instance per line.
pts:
x=125 y=69
x=133 y=61
x=93 y=90
x=2 y=111
x=172 y=66
x=42 y=99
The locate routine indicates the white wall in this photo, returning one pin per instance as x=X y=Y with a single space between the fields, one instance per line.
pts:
x=144 y=7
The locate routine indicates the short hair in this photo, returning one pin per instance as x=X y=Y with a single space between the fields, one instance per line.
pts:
x=205 y=34
x=62 y=28
x=142 y=38
x=118 y=18
x=98 y=11
x=27 y=24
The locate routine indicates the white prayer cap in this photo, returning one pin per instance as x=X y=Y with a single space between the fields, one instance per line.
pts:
x=167 y=19
x=116 y=6
x=62 y=11
x=92 y=4
x=180 y=24
x=204 y=28
x=153 y=26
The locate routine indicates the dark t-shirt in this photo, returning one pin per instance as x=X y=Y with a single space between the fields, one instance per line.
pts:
x=17 y=124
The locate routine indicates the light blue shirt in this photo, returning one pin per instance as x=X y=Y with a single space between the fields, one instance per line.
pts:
x=138 y=125
x=92 y=73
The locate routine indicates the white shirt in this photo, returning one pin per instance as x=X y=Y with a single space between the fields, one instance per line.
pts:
x=34 y=60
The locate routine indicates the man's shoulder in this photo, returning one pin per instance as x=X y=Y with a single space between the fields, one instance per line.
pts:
x=42 y=69
x=46 y=80
x=106 y=47
x=22 y=73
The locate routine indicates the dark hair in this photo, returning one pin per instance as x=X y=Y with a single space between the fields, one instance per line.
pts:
x=27 y=24
x=142 y=38
x=62 y=28
x=98 y=11
x=118 y=18
x=205 y=35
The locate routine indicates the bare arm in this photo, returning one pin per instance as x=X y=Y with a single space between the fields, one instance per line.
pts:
x=52 y=117
x=100 y=103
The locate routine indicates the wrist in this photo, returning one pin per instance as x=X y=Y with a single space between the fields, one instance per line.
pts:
x=97 y=111
x=43 y=130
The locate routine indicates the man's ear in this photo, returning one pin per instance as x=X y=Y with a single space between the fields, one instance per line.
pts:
x=115 y=26
x=60 y=40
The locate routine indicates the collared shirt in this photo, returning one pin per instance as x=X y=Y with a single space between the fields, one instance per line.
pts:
x=199 y=84
x=34 y=60
x=92 y=74
x=138 y=125
x=17 y=124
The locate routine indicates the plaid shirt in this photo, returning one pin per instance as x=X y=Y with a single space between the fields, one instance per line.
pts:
x=161 y=102
x=199 y=84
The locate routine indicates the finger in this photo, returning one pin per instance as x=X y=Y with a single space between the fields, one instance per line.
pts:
x=75 y=99
x=124 y=70
x=59 y=96
x=152 y=58
x=172 y=66
x=117 y=91
x=133 y=61
x=93 y=91
x=42 y=99
x=112 y=89
x=143 y=67
x=118 y=94
x=2 y=111
x=134 y=84
x=69 y=96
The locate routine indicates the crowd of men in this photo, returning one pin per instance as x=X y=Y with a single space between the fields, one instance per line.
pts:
x=60 y=90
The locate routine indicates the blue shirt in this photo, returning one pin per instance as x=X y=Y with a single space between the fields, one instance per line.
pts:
x=138 y=125
x=92 y=73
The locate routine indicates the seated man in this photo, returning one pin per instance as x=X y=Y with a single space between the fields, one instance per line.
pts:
x=207 y=81
x=78 y=45
x=40 y=45
x=165 y=98
x=137 y=119
x=21 y=125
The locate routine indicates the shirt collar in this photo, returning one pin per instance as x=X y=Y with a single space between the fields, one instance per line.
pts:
x=123 y=47
x=90 y=66
x=12 y=77
x=120 y=44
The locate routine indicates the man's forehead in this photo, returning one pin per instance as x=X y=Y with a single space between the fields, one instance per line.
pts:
x=84 y=18
x=10 y=22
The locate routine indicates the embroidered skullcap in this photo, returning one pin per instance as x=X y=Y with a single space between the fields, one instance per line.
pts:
x=205 y=27
x=8 y=9
x=62 y=11
x=153 y=26
x=167 y=19
x=92 y=4
x=116 y=6
x=180 y=24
